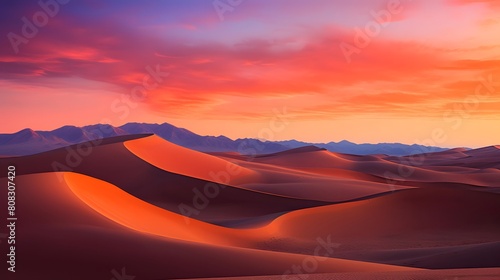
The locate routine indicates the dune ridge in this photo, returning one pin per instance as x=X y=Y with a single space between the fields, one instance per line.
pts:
x=188 y=162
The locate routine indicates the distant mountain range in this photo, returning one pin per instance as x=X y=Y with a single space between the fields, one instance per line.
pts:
x=28 y=141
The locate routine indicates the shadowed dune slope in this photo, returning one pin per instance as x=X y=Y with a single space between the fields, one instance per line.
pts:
x=447 y=274
x=457 y=256
x=403 y=212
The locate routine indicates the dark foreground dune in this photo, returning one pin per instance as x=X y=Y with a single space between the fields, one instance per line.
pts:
x=159 y=211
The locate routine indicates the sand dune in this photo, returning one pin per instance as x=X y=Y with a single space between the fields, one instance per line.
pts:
x=316 y=158
x=204 y=200
x=403 y=212
x=448 y=274
x=408 y=219
x=180 y=160
x=481 y=158
x=76 y=227
x=116 y=204
x=418 y=168
x=287 y=175
x=471 y=255
x=131 y=212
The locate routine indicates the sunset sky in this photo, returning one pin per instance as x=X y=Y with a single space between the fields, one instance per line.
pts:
x=420 y=71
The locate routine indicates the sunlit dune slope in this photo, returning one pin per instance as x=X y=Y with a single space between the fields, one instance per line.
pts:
x=127 y=210
x=180 y=160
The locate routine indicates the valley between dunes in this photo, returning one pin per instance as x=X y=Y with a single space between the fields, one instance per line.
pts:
x=161 y=211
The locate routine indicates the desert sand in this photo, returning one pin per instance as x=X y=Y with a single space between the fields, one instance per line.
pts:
x=162 y=211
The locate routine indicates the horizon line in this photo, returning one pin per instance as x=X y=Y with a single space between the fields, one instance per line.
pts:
x=255 y=138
